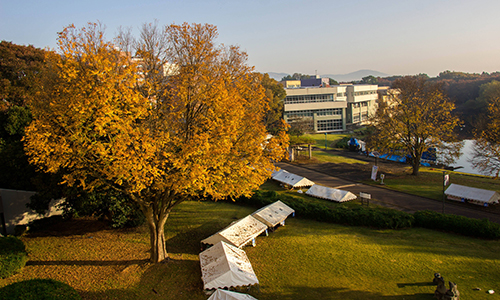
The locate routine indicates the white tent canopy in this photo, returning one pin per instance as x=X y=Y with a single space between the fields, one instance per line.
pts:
x=238 y=233
x=291 y=179
x=328 y=193
x=473 y=195
x=229 y=295
x=223 y=265
x=273 y=214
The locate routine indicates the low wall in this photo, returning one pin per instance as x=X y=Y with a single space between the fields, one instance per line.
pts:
x=14 y=211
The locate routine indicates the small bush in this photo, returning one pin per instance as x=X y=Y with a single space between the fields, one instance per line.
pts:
x=482 y=228
x=13 y=256
x=343 y=143
x=39 y=289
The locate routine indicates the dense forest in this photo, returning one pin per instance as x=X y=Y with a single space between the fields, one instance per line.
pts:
x=464 y=89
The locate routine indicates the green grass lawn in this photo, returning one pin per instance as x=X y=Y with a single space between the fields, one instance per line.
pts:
x=331 y=139
x=326 y=157
x=429 y=183
x=303 y=260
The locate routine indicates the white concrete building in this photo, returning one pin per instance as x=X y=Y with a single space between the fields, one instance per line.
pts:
x=330 y=109
x=323 y=107
x=362 y=103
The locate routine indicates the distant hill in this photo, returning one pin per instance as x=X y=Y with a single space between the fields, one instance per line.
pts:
x=277 y=76
x=358 y=75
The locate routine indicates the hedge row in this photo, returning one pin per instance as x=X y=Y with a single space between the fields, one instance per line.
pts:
x=358 y=216
x=39 y=289
x=482 y=228
x=13 y=256
x=381 y=218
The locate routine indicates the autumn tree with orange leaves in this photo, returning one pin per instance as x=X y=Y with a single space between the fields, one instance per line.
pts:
x=417 y=117
x=181 y=120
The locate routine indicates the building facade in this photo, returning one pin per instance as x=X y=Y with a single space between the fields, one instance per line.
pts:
x=361 y=103
x=331 y=108
x=323 y=109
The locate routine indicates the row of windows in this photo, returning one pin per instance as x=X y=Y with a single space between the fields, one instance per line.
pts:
x=356 y=118
x=310 y=113
x=310 y=98
x=362 y=104
x=328 y=125
x=361 y=93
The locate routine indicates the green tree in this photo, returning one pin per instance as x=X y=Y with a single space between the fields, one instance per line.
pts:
x=20 y=67
x=333 y=81
x=418 y=117
x=486 y=151
x=20 y=70
x=160 y=137
x=275 y=93
x=370 y=79
x=296 y=76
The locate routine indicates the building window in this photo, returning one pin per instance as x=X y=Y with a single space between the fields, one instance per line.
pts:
x=329 y=125
x=364 y=116
x=355 y=118
x=299 y=114
x=361 y=93
x=310 y=113
x=309 y=98
x=329 y=112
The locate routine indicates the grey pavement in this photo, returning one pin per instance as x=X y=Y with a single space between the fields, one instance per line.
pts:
x=390 y=198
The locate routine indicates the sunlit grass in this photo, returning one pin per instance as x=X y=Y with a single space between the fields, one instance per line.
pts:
x=429 y=183
x=331 y=139
x=326 y=157
x=303 y=260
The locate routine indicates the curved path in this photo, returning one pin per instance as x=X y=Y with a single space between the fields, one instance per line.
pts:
x=391 y=198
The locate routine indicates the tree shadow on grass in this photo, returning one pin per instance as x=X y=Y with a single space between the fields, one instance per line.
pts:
x=188 y=241
x=86 y=262
x=57 y=226
x=175 y=279
x=326 y=293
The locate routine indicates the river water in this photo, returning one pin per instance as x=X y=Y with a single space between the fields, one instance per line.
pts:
x=463 y=160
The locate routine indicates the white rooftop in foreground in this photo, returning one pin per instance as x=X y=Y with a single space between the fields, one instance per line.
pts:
x=223 y=265
x=291 y=179
x=273 y=214
x=329 y=193
x=238 y=233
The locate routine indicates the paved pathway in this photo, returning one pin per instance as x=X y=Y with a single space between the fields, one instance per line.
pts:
x=390 y=198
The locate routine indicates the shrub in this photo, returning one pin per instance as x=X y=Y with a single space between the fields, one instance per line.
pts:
x=482 y=228
x=39 y=289
x=342 y=143
x=13 y=256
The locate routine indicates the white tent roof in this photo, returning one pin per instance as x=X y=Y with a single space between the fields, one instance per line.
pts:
x=458 y=192
x=238 y=233
x=273 y=214
x=291 y=179
x=229 y=295
x=277 y=172
x=328 y=193
x=223 y=265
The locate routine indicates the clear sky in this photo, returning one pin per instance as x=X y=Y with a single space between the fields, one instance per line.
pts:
x=396 y=37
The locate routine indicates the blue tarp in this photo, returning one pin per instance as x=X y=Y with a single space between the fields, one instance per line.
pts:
x=404 y=159
x=353 y=142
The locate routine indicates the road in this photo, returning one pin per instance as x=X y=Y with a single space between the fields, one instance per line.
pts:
x=389 y=198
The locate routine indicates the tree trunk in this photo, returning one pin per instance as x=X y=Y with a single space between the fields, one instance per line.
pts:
x=415 y=163
x=156 y=223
